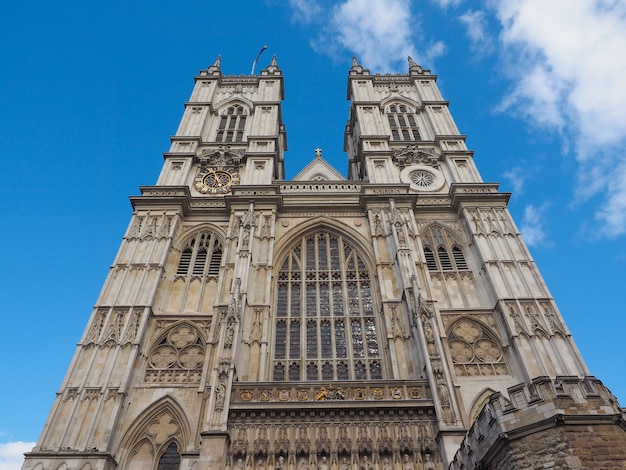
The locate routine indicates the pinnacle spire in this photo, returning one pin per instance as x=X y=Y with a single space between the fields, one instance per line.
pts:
x=216 y=68
x=413 y=66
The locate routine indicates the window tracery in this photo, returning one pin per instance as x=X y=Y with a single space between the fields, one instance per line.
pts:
x=439 y=243
x=325 y=326
x=402 y=123
x=474 y=350
x=232 y=125
x=177 y=357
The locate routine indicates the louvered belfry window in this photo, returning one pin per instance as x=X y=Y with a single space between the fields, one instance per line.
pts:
x=201 y=256
x=441 y=250
x=232 y=125
x=402 y=123
x=325 y=326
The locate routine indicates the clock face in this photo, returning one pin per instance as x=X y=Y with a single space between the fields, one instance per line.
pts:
x=216 y=180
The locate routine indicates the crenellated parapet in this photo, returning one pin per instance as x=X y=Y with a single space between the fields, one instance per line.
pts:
x=566 y=422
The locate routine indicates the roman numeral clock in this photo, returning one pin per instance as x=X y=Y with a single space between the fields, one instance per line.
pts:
x=218 y=173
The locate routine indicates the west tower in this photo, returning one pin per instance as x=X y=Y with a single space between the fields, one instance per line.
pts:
x=393 y=319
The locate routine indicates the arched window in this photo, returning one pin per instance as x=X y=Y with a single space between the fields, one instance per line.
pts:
x=474 y=350
x=201 y=248
x=177 y=357
x=232 y=125
x=402 y=123
x=325 y=325
x=441 y=250
x=170 y=460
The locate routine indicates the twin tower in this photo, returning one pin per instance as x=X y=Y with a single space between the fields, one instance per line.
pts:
x=391 y=320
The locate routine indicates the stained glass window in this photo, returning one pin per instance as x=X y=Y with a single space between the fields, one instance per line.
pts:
x=334 y=337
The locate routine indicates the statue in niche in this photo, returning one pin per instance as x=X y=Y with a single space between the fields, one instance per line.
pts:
x=428 y=462
x=366 y=464
x=323 y=465
x=386 y=464
x=345 y=465
x=280 y=464
x=260 y=465
x=239 y=464
x=302 y=465
x=406 y=463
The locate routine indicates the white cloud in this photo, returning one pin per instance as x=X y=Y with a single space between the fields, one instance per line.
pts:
x=447 y=3
x=379 y=32
x=567 y=62
x=517 y=178
x=12 y=454
x=305 y=10
x=475 y=23
x=532 y=225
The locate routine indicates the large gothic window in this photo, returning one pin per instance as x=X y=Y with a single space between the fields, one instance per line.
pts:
x=232 y=125
x=201 y=256
x=402 y=123
x=325 y=324
x=441 y=250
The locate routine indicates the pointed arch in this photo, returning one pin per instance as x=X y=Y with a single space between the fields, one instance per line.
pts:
x=475 y=348
x=402 y=119
x=479 y=403
x=443 y=250
x=153 y=431
x=177 y=355
x=325 y=323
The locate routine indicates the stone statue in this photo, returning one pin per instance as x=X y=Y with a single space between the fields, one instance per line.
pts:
x=323 y=464
x=428 y=463
x=406 y=463
x=386 y=464
x=280 y=464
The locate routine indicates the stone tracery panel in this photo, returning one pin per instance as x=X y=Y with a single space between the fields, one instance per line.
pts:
x=177 y=357
x=474 y=349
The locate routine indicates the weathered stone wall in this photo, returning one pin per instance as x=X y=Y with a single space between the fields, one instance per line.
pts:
x=565 y=423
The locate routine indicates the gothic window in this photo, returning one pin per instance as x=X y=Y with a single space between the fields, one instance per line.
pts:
x=170 y=460
x=441 y=250
x=474 y=350
x=177 y=357
x=232 y=125
x=402 y=123
x=201 y=256
x=325 y=324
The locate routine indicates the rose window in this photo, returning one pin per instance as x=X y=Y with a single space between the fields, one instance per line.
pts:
x=422 y=178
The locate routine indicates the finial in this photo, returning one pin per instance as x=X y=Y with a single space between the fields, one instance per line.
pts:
x=215 y=68
x=355 y=62
x=356 y=68
x=318 y=152
x=272 y=69
x=413 y=67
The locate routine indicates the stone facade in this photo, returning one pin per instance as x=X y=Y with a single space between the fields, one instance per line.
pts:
x=562 y=423
x=324 y=322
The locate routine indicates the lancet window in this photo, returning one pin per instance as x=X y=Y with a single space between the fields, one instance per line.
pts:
x=201 y=256
x=441 y=250
x=232 y=125
x=170 y=460
x=402 y=123
x=325 y=324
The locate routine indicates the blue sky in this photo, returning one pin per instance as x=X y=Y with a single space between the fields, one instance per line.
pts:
x=91 y=91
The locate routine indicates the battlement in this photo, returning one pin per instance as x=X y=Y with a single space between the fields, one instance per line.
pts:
x=521 y=427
